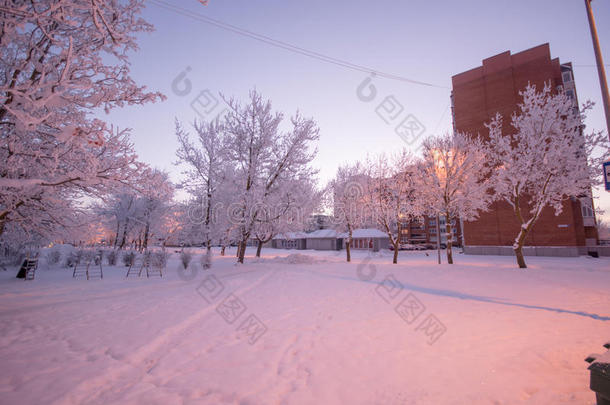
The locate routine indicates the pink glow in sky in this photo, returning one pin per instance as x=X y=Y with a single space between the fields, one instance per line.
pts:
x=424 y=41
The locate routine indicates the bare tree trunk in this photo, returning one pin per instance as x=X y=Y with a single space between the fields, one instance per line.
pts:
x=146 y=234
x=449 y=238
x=259 y=247
x=518 y=247
x=222 y=250
x=520 y=259
x=242 y=251
x=116 y=234
x=348 y=245
x=348 y=252
x=526 y=227
x=124 y=238
x=395 y=241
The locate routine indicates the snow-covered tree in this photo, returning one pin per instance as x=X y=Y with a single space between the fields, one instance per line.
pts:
x=545 y=158
x=205 y=172
x=347 y=199
x=603 y=229
x=60 y=61
x=264 y=157
x=138 y=215
x=391 y=194
x=121 y=206
x=454 y=180
x=153 y=205
x=286 y=211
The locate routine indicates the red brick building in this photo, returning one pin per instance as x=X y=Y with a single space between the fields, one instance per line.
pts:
x=478 y=94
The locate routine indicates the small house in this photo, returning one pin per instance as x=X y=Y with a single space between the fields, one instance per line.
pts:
x=289 y=240
x=323 y=239
x=368 y=239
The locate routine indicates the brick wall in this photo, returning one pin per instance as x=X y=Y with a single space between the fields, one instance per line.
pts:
x=478 y=94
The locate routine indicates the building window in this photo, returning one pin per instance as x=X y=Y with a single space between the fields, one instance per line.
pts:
x=566 y=76
x=587 y=211
x=586 y=207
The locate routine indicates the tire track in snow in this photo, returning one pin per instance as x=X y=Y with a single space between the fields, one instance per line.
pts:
x=144 y=358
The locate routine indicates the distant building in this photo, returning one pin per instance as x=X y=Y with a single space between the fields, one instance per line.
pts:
x=423 y=231
x=323 y=239
x=329 y=239
x=319 y=221
x=478 y=94
x=290 y=240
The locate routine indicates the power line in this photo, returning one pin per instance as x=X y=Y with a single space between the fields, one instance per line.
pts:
x=285 y=45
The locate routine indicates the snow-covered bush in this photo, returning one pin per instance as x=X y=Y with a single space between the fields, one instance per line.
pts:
x=128 y=258
x=53 y=257
x=159 y=258
x=206 y=260
x=87 y=256
x=73 y=258
x=185 y=258
x=111 y=257
x=12 y=255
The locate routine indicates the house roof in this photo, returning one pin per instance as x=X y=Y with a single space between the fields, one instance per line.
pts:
x=322 y=233
x=291 y=235
x=366 y=233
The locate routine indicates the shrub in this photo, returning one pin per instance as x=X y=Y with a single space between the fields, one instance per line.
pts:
x=206 y=260
x=129 y=258
x=74 y=257
x=111 y=257
x=185 y=258
x=159 y=259
x=53 y=257
x=87 y=256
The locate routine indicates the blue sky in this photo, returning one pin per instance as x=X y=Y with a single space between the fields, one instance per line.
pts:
x=424 y=41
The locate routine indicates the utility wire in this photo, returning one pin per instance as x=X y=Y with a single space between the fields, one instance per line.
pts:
x=285 y=45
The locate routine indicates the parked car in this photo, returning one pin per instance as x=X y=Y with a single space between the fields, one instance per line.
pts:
x=410 y=246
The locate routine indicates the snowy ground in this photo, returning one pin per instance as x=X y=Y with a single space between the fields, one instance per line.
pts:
x=479 y=332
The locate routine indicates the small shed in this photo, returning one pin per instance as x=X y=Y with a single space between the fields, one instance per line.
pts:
x=289 y=240
x=368 y=239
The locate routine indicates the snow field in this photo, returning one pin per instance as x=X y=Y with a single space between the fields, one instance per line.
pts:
x=512 y=336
